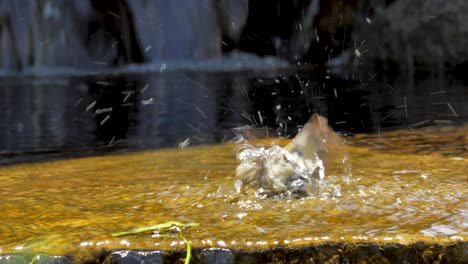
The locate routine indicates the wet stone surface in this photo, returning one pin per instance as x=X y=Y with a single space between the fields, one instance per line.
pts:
x=33 y=259
x=217 y=255
x=328 y=252
x=407 y=207
x=130 y=257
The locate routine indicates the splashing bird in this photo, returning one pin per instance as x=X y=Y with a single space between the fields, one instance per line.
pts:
x=296 y=168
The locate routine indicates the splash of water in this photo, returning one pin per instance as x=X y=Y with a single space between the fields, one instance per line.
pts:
x=276 y=172
x=296 y=169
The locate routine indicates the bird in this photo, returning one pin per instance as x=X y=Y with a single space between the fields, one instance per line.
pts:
x=295 y=169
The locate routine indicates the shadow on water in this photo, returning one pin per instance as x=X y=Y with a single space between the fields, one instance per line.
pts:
x=48 y=118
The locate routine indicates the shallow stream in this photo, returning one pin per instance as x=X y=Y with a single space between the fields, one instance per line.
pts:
x=400 y=186
x=87 y=156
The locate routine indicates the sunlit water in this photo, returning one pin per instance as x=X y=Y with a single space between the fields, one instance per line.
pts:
x=400 y=187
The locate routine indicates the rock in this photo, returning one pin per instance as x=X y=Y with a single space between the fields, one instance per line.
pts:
x=47 y=259
x=6 y=39
x=111 y=39
x=109 y=33
x=217 y=256
x=411 y=35
x=12 y=259
x=325 y=252
x=182 y=29
x=36 y=259
x=325 y=30
x=135 y=257
x=42 y=33
x=52 y=33
x=232 y=17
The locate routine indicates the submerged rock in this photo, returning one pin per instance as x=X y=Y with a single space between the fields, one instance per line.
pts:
x=295 y=169
x=126 y=256
x=23 y=258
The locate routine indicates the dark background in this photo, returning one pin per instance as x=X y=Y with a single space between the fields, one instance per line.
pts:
x=94 y=77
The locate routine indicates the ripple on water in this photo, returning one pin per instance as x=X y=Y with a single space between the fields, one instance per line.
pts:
x=58 y=206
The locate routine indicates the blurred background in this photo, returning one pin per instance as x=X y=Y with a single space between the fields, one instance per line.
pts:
x=85 y=77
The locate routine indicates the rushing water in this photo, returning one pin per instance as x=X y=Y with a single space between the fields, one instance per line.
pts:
x=401 y=186
x=416 y=192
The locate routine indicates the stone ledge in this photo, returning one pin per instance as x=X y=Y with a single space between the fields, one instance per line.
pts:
x=33 y=259
x=329 y=252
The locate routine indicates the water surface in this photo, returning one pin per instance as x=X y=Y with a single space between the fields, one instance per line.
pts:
x=45 y=117
x=401 y=186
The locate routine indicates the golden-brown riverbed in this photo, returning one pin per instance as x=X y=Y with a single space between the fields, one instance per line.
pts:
x=403 y=186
